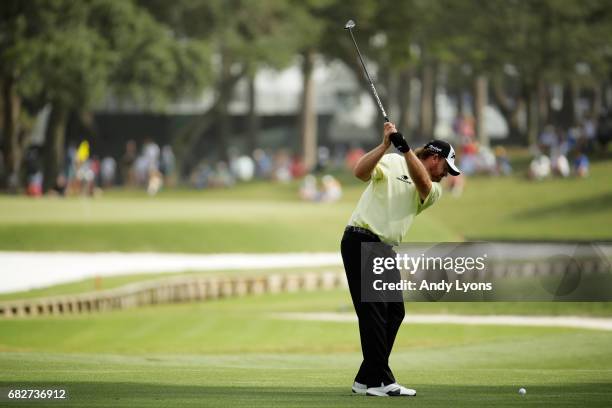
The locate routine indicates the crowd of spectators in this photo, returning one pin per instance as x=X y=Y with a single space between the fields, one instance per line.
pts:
x=476 y=158
x=84 y=173
x=563 y=152
x=559 y=152
x=150 y=167
x=279 y=166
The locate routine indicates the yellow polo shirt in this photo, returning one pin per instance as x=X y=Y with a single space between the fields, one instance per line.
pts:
x=389 y=204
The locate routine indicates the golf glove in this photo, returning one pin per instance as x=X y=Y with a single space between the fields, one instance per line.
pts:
x=399 y=142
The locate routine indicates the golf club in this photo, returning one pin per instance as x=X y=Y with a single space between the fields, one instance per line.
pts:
x=349 y=26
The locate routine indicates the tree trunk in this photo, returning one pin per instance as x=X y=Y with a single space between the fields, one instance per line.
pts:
x=427 y=101
x=597 y=101
x=606 y=96
x=510 y=111
x=54 y=145
x=308 y=114
x=225 y=94
x=11 y=149
x=543 y=104
x=460 y=107
x=568 y=111
x=253 y=117
x=187 y=138
x=404 y=100
x=390 y=96
x=532 y=116
x=481 y=86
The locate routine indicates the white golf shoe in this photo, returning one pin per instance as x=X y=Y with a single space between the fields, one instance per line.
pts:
x=391 y=390
x=359 y=388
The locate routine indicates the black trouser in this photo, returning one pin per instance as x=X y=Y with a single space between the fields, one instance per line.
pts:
x=378 y=321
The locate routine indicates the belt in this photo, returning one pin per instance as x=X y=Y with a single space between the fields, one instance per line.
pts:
x=359 y=230
x=365 y=231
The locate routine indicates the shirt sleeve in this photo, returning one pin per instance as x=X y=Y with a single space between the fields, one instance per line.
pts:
x=434 y=194
x=382 y=168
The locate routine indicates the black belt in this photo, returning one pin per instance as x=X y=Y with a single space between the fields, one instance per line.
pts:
x=359 y=230
x=364 y=231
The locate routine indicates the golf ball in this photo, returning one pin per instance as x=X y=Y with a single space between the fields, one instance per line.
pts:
x=522 y=391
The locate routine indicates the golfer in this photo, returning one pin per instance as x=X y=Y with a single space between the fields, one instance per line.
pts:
x=400 y=187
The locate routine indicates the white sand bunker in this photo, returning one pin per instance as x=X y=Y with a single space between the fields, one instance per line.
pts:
x=28 y=270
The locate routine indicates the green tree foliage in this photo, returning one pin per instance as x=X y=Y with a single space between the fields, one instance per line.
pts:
x=70 y=54
x=539 y=42
x=244 y=36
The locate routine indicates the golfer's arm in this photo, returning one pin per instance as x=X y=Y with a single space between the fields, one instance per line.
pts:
x=418 y=174
x=367 y=162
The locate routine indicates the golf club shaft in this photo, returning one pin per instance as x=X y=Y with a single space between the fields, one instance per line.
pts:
x=380 y=105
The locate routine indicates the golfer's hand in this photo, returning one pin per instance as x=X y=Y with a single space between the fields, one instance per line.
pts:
x=388 y=129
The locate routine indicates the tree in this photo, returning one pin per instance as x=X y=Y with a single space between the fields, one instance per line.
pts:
x=18 y=49
x=330 y=39
x=71 y=53
x=244 y=37
x=548 y=39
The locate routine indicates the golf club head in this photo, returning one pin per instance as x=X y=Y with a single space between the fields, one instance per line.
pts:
x=349 y=24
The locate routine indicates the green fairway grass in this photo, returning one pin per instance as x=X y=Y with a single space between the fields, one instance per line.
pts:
x=238 y=352
x=251 y=324
x=514 y=208
x=265 y=380
x=235 y=352
x=269 y=217
x=180 y=225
